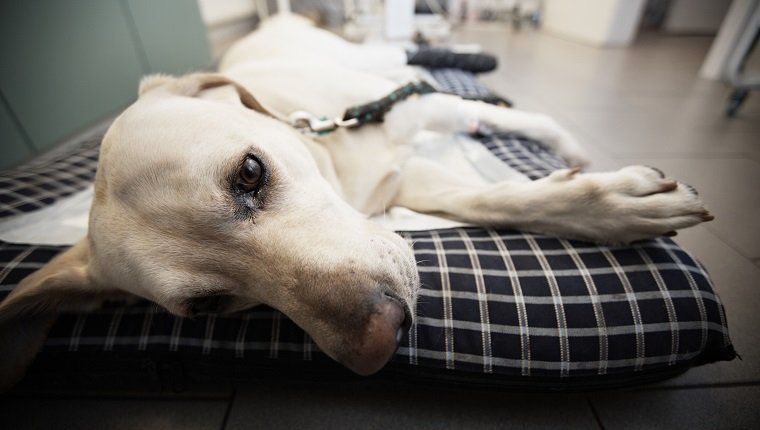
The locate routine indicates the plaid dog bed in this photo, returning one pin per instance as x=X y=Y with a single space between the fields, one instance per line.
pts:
x=42 y=181
x=496 y=306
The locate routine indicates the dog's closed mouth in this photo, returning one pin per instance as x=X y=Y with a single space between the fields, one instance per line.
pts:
x=208 y=305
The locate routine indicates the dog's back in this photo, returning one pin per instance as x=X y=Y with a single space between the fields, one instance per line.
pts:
x=288 y=36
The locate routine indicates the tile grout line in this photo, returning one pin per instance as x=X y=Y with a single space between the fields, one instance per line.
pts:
x=594 y=412
x=754 y=383
x=726 y=242
x=228 y=411
x=696 y=155
x=113 y=397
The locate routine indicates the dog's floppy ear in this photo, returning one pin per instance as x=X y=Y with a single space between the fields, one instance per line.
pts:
x=193 y=84
x=209 y=81
x=30 y=310
x=150 y=82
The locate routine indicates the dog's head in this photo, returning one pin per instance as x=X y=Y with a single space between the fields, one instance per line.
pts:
x=204 y=203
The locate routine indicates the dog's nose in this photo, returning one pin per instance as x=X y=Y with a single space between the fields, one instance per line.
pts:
x=386 y=327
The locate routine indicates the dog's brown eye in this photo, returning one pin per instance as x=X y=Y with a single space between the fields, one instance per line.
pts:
x=250 y=175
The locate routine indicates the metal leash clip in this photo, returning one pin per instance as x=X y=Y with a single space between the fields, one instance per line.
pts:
x=310 y=123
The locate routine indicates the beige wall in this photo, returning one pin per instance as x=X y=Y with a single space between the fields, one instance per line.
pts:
x=596 y=22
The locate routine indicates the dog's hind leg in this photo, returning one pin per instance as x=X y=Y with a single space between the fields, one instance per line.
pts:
x=633 y=203
x=451 y=114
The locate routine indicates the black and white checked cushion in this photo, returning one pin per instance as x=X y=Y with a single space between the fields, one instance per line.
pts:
x=492 y=302
x=42 y=181
x=531 y=158
x=497 y=303
x=466 y=85
x=512 y=303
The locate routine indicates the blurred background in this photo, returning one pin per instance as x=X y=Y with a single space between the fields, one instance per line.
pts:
x=68 y=65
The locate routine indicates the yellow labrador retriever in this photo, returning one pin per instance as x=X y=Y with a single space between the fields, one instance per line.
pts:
x=207 y=202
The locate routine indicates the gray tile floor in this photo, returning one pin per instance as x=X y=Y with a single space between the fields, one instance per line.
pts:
x=647 y=105
x=639 y=105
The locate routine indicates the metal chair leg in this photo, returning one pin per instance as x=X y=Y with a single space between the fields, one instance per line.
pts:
x=735 y=101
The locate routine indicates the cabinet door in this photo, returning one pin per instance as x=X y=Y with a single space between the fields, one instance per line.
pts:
x=67 y=64
x=13 y=149
x=172 y=35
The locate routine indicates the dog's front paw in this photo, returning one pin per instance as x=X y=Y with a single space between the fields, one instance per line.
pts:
x=634 y=203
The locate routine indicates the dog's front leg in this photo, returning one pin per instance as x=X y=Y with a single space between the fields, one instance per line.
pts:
x=631 y=204
x=451 y=114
